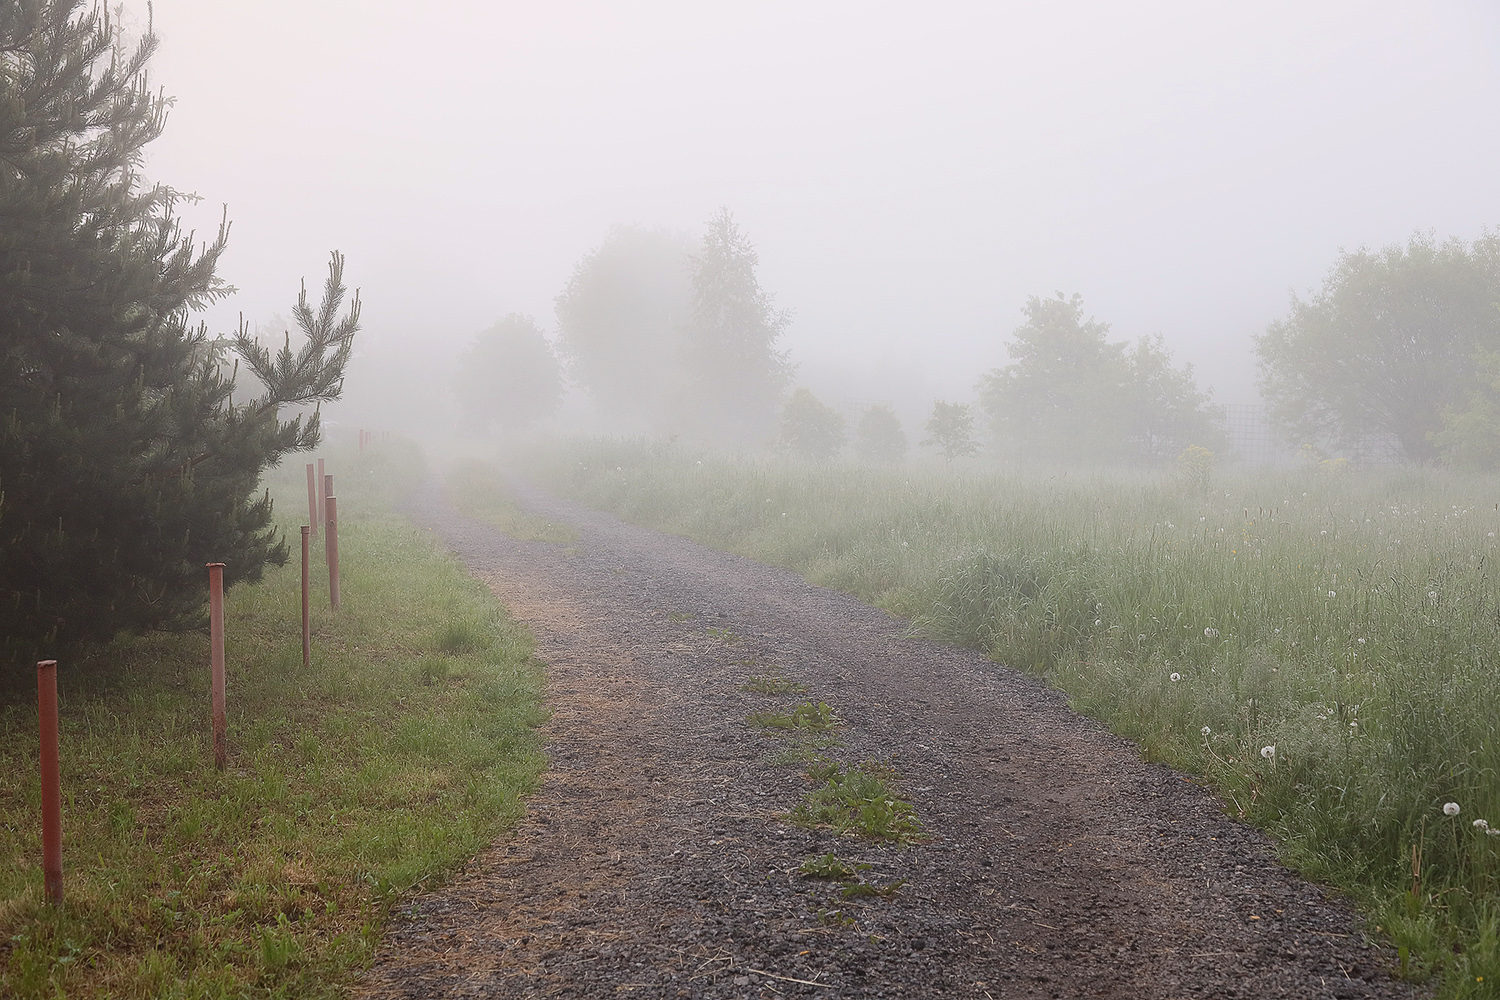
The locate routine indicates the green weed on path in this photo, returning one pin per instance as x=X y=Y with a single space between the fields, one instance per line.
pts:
x=1321 y=643
x=401 y=752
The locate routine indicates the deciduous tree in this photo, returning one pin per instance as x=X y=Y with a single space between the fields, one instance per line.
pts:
x=1385 y=346
x=879 y=437
x=809 y=428
x=508 y=377
x=950 y=430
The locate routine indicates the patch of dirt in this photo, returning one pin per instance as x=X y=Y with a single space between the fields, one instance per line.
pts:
x=655 y=861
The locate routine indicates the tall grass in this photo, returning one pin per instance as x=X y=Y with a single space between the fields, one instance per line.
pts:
x=401 y=752
x=1323 y=645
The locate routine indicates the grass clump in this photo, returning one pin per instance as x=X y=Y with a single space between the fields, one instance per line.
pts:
x=859 y=801
x=808 y=717
x=832 y=867
x=395 y=757
x=774 y=682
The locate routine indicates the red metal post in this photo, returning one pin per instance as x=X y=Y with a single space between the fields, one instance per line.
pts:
x=46 y=694
x=333 y=552
x=312 y=498
x=306 y=591
x=323 y=492
x=216 y=659
x=327 y=536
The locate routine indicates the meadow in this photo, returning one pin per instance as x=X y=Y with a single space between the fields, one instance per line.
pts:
x=1321 y=644
x=403 y=750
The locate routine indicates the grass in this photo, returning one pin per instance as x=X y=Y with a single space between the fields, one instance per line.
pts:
x=1349 y=620
x=478 y=489
x=403 y=750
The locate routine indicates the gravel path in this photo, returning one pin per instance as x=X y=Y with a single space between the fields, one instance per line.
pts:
x=655 y=860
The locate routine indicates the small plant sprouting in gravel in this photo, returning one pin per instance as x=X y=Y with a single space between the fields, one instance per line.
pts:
x=724 y=635
x=773 y=681
x=830 y=865
x=859 y=801
x=808 y=717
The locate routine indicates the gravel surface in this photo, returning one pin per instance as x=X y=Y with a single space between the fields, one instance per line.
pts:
x=656 y=859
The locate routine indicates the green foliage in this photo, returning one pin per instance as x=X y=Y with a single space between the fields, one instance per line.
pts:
x=857 y=802
x=508 y=377
x=1386 y=344
x=832 y=866
x=1070 y=394
x=735 y=373
x=879 y=437
x=620 y=325
x=125 y=463
x=809 y=429
x=1470 y=436
x=403 y=751
x=810 y=717
x=950 y=430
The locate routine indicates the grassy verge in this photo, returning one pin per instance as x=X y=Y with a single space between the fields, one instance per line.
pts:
x=402 y=751
x=1322 y=644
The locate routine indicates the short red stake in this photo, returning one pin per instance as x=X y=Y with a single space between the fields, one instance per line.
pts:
x=306 y=590
x=333 y=552
x=46 y=696
x=216 y=659
x=312 y=498
x=323 y=492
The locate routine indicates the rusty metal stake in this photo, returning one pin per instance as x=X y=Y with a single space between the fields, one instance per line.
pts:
x=306 y=591
x=216 y=659
x=46 y=694
x=333 y=551
x=323 y=492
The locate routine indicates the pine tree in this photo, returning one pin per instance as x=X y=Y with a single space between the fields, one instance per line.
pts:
x=125 y=463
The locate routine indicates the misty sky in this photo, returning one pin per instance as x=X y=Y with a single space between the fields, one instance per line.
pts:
x=910 y=173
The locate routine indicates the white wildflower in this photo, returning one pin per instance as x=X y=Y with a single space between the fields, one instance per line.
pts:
x=1450 y=809
x=1210 y=633
x=1480 y=824
x=1176 y=677
x=1332 y=594
x=1206 y=730
x=1269 y=753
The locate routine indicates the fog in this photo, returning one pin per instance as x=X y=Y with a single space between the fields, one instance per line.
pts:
x=908 y=176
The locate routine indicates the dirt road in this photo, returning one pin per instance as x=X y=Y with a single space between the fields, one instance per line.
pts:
x=656 y=860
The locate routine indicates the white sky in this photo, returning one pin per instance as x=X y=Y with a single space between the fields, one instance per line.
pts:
x=910 y=173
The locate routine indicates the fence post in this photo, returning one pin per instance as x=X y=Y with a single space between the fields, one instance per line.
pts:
x=323 y=492
x=312 y=499
x=216 y=660
x=306 y=590
x=46 y=694
x=333 y=551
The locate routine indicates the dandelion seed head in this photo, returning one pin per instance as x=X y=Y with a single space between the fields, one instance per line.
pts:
x=1450 y=809
x=1269 y=753
x=1211 y=633
x=1332 y=593
x=1176 y=677
x=1206 y=730
x=1480 y=824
